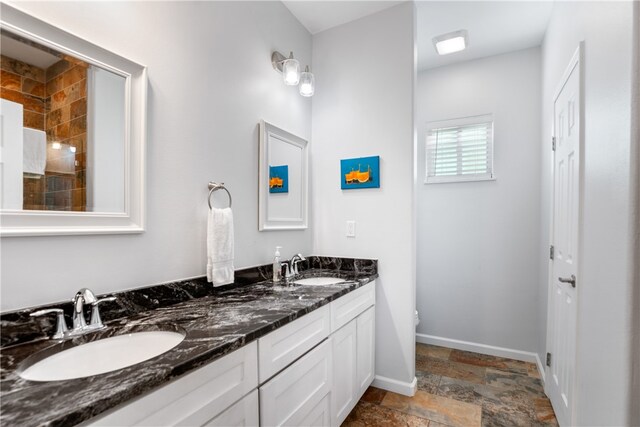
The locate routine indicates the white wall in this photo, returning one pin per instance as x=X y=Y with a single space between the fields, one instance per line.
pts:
x=478 y=241
x=634 y=418
x=603 y=395
x=210 y=82
x=363 y=106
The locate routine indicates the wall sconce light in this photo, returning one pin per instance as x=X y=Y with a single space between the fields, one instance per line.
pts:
x=307 y=83
x=290 y=69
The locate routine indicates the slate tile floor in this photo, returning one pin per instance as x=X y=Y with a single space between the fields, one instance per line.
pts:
x=460 y=388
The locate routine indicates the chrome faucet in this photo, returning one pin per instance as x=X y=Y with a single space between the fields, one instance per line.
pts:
x=288 y=271
x=80 y=327
x=84 y=295
x=297 y=258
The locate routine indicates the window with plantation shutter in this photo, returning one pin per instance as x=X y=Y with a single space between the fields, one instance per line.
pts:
x=460 y=150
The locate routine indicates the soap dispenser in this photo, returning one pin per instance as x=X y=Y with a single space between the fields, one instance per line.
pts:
x=277 y=265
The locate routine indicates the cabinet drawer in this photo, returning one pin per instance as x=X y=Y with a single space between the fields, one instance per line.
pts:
x=281 y=347
x=195 y=398
x=349 y=306
x=300 y=393
x=243 y=413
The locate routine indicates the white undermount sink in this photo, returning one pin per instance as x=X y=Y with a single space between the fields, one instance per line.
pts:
x=319 y=281
x=101 y=356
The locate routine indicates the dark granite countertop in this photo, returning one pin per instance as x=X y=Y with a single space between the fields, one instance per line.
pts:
x=215 y=321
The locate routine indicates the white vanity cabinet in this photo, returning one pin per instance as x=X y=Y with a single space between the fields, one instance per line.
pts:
x=242 y=413
x=196 y=399
x=310 y=372
x=353 y=372
x=365 y=349
x=345 y=391
x=300 y=395
x=314 y=391
x=281 y=347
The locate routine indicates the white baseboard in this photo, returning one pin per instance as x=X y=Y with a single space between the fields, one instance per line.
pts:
x=541 y=371
x=525 y=356
x=400 y=387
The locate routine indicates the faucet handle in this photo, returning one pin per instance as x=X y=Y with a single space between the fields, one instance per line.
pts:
x=61 y=324
x=287 y=270
x=295 y=260
x=95 y=312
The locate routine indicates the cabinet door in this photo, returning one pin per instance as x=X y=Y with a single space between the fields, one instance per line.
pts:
x=291 y=397
x=243 y=413
x=345 y=384
x=284 y=345
x=320 y=415
x=366 y=351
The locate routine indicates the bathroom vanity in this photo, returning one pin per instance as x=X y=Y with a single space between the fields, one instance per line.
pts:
x=253 y=354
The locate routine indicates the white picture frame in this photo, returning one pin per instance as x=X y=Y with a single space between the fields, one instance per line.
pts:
x=269 y=217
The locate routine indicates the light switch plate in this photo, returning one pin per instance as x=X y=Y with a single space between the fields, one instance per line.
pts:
x=351 y=229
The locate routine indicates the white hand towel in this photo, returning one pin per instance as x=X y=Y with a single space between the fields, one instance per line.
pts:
x=34 y=151
x=220 y=246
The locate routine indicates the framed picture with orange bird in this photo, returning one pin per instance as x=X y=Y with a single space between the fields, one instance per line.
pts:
x=361 y=172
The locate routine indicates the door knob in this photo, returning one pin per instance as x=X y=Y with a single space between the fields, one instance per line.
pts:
x=571 y=280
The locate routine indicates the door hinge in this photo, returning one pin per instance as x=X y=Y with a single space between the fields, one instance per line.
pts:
x=553 y=143
x=552 y=252
x=549 y=359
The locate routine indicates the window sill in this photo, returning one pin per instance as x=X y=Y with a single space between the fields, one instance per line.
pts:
x=453 y=180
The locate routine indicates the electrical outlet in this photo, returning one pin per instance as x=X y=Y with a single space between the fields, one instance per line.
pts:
x=351 y=229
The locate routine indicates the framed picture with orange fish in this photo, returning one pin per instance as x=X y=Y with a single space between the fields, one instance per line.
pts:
x=361 y=172
x=279 y=179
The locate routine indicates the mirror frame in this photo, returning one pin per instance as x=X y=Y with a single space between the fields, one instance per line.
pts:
x=132 y=220
x=264 y=224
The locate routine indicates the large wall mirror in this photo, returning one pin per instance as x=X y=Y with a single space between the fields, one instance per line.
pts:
x=73 y=119
x=284 y=177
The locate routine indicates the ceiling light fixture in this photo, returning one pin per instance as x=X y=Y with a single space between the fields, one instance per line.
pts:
x=290 y=69
x=451 y=42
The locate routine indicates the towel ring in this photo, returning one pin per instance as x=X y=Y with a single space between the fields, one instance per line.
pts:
x=213 y=186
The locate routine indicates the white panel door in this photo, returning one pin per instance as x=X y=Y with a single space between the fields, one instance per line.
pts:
x=345 y=382
x=566 y=218
x=366 y=349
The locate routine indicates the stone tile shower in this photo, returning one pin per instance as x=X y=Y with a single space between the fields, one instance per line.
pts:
x=54 y=100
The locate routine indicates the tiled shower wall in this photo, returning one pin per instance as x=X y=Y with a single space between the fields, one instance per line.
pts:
x=55 y=101
x=24 y=84
x=66 y=124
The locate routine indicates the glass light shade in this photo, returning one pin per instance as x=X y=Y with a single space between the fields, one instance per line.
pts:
x=307 y=84
x=291 y=71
